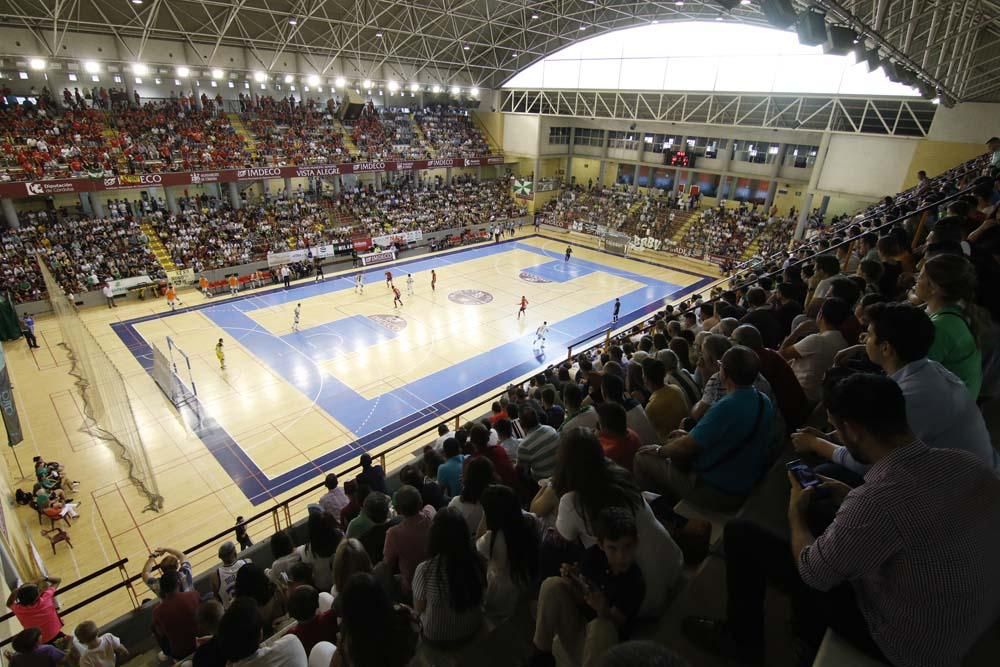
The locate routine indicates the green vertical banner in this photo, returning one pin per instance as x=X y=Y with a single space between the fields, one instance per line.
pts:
x=10 y=328
x=10 y=419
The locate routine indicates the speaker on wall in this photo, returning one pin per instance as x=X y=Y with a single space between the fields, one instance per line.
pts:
x=351 y=106
x=779 y=13
x=811 y=26
x=839 y=40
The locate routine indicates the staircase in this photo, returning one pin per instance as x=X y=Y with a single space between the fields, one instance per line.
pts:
x=495 y=148
x=683 y=221
x=156 y=245
x=349 y=146
x=109 y=135
x=248 y=141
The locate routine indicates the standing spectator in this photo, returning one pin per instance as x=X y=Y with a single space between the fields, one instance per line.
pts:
x=174 y=618
x=109 y=295
x=28 y=329
x=224 y=576
x=34 y=606
x=448 y=587
x=29 y=651
x=373 y=631
x=98 y=650
x=371 y=475
x=406 y=542
x=334 y=500
x=241 y=632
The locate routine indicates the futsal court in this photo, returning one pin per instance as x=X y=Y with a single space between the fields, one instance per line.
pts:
x=357 y=375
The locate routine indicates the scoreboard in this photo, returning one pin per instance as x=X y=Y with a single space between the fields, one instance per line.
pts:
x=678 y=158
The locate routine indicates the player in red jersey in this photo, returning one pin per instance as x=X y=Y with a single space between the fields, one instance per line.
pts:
x=388 y=278
x=524 y=306
x=396 y=301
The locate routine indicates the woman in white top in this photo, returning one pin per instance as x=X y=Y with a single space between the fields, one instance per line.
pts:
x=586 y=482
x=478 y=475
x=324 y=536
x=284 y=555
x=510 y=546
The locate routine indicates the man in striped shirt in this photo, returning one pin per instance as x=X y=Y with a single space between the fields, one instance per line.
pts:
x=536 y=454
x=906 y=571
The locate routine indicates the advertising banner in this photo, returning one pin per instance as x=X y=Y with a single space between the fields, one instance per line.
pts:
x=10 y=419
x=400 y=239
x=377 y=257
x=122 y=286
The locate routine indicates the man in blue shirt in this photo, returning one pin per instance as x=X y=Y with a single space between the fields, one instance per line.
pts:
x=450 y=472
x=720 y=460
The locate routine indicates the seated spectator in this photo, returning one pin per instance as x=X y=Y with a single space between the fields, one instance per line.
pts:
x=34 y=606
x=240 y=634
x=99 y=650
x=209 y=651
x=271 y=601
x=356 y=494
x=30 y=651
x=666 y=406
x=502 y=466
x=371 y=475
x=619 y=442
x=373 y=631
x=324 y=536
x=372 y=524
x=536 y=455
x=449 y=475
x=585 y=483
x=788 y=306
x=497 y=412
x=334 y=500
x=505 y=434
x=904 y=572
x=449 y=586
x=554 y=413
x=679 y=377
x=173 y=561
x=509 y=545
x=429 y=489
x=577 y=414
x=613 y=390
x=224 y=577
x=311 y=625
x=479 y=474
x=593 y=605
x=939 y=409
x=788 y=396
x=284 y=557
x=174 y=618
x=645 y=652
x=351 y=558
x=406 y=542
x=726 y=454
x=811 y=354
x=713 y=348
x=763 y=317
x=947 y=285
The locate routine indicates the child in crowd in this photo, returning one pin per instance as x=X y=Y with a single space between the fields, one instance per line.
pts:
x=30 y=652
x=313 y=626
x=96 y=649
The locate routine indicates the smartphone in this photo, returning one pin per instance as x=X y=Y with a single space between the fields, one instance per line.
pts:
x=803 y=474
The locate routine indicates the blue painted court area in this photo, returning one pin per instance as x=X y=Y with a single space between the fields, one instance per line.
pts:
x=295 y=358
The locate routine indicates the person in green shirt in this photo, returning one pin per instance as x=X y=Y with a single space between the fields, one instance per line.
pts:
x=947 y=285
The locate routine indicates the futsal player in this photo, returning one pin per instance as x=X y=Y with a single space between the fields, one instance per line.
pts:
x=234 y=284
x=540 y=335
x=318 y=263
x=618 y=307
x=409 y=284
x=524 y=306
x=388 y=278
x=203 y=286
x=434 y=279
x=298 y=312
x=396 y=301
x=220 y=354
x=569 y=251
x=172 y=299
x=359 y=283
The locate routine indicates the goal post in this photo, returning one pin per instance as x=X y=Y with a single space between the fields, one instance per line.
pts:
x=173 y=375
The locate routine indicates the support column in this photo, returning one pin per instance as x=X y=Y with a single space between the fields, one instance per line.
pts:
x=447 y=174
x=335 y=181
x=10 y=213
x=288 y=188
x=569 y=156
x=772 y=189
x=635 y=178
x=234 y=195
x=98 y=207
x=171 y=199
x=88 y=210
x=600 y=174
x=778 y=161
x=814 y=178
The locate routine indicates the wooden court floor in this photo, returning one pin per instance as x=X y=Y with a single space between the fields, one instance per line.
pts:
x=274 y=418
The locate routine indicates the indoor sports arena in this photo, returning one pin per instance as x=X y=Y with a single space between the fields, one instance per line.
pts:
x=500 y=332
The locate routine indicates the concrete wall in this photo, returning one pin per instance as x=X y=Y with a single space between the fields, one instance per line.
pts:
x=521 y=134
x=865 y=165
x=967 y=123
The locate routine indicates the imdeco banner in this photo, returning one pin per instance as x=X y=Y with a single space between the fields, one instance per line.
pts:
x=10 y=419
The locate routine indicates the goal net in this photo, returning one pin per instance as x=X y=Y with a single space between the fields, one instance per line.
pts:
x=172 y=373
x=616 y=243
x=106 y=403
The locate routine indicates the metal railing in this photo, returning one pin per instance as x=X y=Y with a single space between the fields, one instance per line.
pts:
x=282 y=515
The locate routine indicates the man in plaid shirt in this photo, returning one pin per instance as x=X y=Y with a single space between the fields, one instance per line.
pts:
x=906 y=571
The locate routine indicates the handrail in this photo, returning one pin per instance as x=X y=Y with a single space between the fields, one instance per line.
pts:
x=410 y=440
x=82 y=580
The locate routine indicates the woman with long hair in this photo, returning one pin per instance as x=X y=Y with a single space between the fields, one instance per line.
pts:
x=324 y=536
x=478 y=475
x=586 y=483
x=350 y=559
x=251 y=582
x=947 y=285
x=284 y=555
x=448 y=587
x=510 y=546
x=373 y=631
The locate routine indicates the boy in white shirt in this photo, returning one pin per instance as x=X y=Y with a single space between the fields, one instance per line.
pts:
x=98 y=650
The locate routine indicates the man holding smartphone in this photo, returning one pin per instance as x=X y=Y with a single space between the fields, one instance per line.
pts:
x=906 y=570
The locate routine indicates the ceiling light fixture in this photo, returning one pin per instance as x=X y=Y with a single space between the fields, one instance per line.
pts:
x=339 y=82
x=455 y=90
x=260 y=77
x=534 y=16
x=393 y=86
x=139 y=69
x=367 y=83
x=313 y=79
x=436 y=89
x=91 y=66
x=36 y=63
x=218 y=73
x=183 y=72
x=474 y=92
x=414 y=87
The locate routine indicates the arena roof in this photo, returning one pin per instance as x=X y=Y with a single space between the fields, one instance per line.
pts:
x=952 y=44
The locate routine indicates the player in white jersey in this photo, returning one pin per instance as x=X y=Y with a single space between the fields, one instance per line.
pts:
x=409 y=284
x=298 y=313
x=359 y=283
x=540 y=335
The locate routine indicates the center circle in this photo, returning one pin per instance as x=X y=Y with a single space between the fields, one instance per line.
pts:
x=470 y=297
